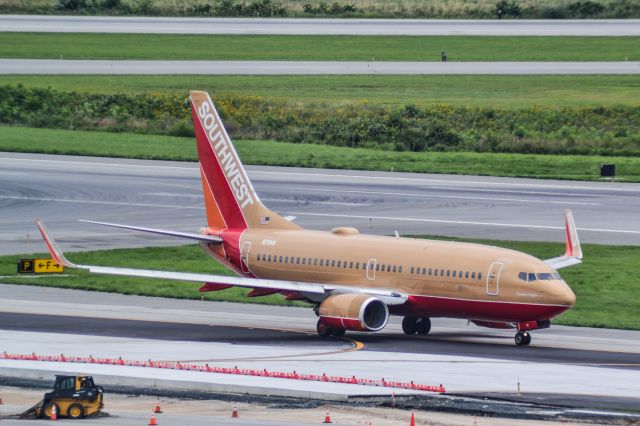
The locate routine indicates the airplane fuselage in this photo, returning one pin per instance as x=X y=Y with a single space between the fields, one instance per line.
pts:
x=442 y=278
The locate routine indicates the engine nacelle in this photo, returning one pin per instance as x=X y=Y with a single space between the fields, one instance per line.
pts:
x=355 y=312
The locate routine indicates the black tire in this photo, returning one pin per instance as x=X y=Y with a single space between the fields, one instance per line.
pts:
x=75 y=411
x=339 y=332
x=423 y=326
x=521 y=338
x=323 y=329
x=409 y=325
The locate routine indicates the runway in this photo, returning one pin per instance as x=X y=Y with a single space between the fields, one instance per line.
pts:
x=165 y=194
x=131 y=67
x=563 y=360
x=271 y=26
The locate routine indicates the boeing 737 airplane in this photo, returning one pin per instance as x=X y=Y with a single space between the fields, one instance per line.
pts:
x=355 y=281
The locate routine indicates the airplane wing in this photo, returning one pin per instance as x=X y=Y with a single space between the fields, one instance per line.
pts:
x=313 y=290
x=573 y=251
x=199 y=237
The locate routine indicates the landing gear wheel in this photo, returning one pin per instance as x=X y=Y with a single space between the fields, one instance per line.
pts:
x=522 y=338
x=75 y=411
x=339 y=332
x=409 y=325
x=423 y=326
x=323 y=329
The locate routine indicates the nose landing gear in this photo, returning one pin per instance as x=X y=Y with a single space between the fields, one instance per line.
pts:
x=522 y=338
x=412 y=325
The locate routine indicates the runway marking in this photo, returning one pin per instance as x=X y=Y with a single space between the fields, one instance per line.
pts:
x=459 y=222
x=471 y=182
x=116 y=203
x=400 y=194
x=337 y=203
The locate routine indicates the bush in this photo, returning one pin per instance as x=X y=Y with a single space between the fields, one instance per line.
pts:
x=576 y=130
x=72 y=4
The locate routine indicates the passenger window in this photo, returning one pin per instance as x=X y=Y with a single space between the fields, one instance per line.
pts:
x=304 y=260
x=442 y=272
x=339 y=263
x=466 y=274
x=460 y=274
x=344 y=264
x=358 y=265
x=430 y=271
x=479 y=275
x=377 y=266
x=454 y=274
x=388 y=268
x=321 y=262
x=280 y=259
x=286 y=259
x=411 y=270
x=448 y=272
x=473 y=275
x=333 y=263
x=400 y=268
x=351 y=265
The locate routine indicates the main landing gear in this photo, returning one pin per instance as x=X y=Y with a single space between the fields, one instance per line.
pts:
x=326 y=331
x=522 y=338
x=413 y=325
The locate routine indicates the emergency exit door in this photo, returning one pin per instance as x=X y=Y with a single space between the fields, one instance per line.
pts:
x=493 y=278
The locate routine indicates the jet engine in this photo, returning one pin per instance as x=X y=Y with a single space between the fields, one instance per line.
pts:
x=355 y=312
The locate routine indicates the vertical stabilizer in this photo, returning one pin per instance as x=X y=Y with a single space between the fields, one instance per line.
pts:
x=230 y=200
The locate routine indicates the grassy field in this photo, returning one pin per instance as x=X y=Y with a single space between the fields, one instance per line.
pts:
x=127 y=145
x=476 y=90
x=316 y=48
x=606 y=279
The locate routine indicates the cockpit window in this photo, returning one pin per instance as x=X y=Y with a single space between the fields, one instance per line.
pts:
x=548 y=276
x=543 y=276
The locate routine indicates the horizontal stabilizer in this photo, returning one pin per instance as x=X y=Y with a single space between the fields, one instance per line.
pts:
x=189 y=235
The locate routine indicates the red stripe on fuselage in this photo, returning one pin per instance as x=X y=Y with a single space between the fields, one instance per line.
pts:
x=218 y=183
x=431 y=306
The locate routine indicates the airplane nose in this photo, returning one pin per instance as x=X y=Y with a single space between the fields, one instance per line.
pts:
x=567 y=296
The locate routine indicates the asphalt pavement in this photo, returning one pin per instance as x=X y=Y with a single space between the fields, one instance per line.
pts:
x=163 y=25
x=129 y=67
x=167 y=194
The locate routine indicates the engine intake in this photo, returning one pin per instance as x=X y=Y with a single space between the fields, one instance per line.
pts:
x=355 y=312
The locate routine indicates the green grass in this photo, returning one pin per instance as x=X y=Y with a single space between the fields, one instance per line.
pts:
x=481 y=90
x=128 y=145
x=316 y=48
x=605 y=284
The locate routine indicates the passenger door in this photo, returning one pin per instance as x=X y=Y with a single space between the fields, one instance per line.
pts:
x=493 y=278
x=371 y=269
x=244 y=256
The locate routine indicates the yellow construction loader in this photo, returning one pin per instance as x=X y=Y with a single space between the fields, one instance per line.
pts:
x=73 y=396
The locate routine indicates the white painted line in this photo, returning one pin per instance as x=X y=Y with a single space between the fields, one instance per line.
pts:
x=337 y=203
x=460 y=222
x=400 y=194
x=116 y=203
x=460 y=181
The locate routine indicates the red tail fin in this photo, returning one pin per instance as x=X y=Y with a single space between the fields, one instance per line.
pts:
x=230 y=200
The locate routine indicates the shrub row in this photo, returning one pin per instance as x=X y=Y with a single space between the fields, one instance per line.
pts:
x=531 y=9
x=576 y=130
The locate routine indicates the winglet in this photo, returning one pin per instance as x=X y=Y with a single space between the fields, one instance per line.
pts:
x=54 y=250
x=573 y=248
x=573 y=251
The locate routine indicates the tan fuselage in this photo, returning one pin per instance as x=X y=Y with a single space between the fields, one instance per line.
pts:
x=442 y=278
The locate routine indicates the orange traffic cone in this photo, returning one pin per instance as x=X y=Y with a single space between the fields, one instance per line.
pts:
x=153 y=421
x=157 y=410
x=413 y=419
x=54 y=412
x=234 y=413
x=327 y=418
